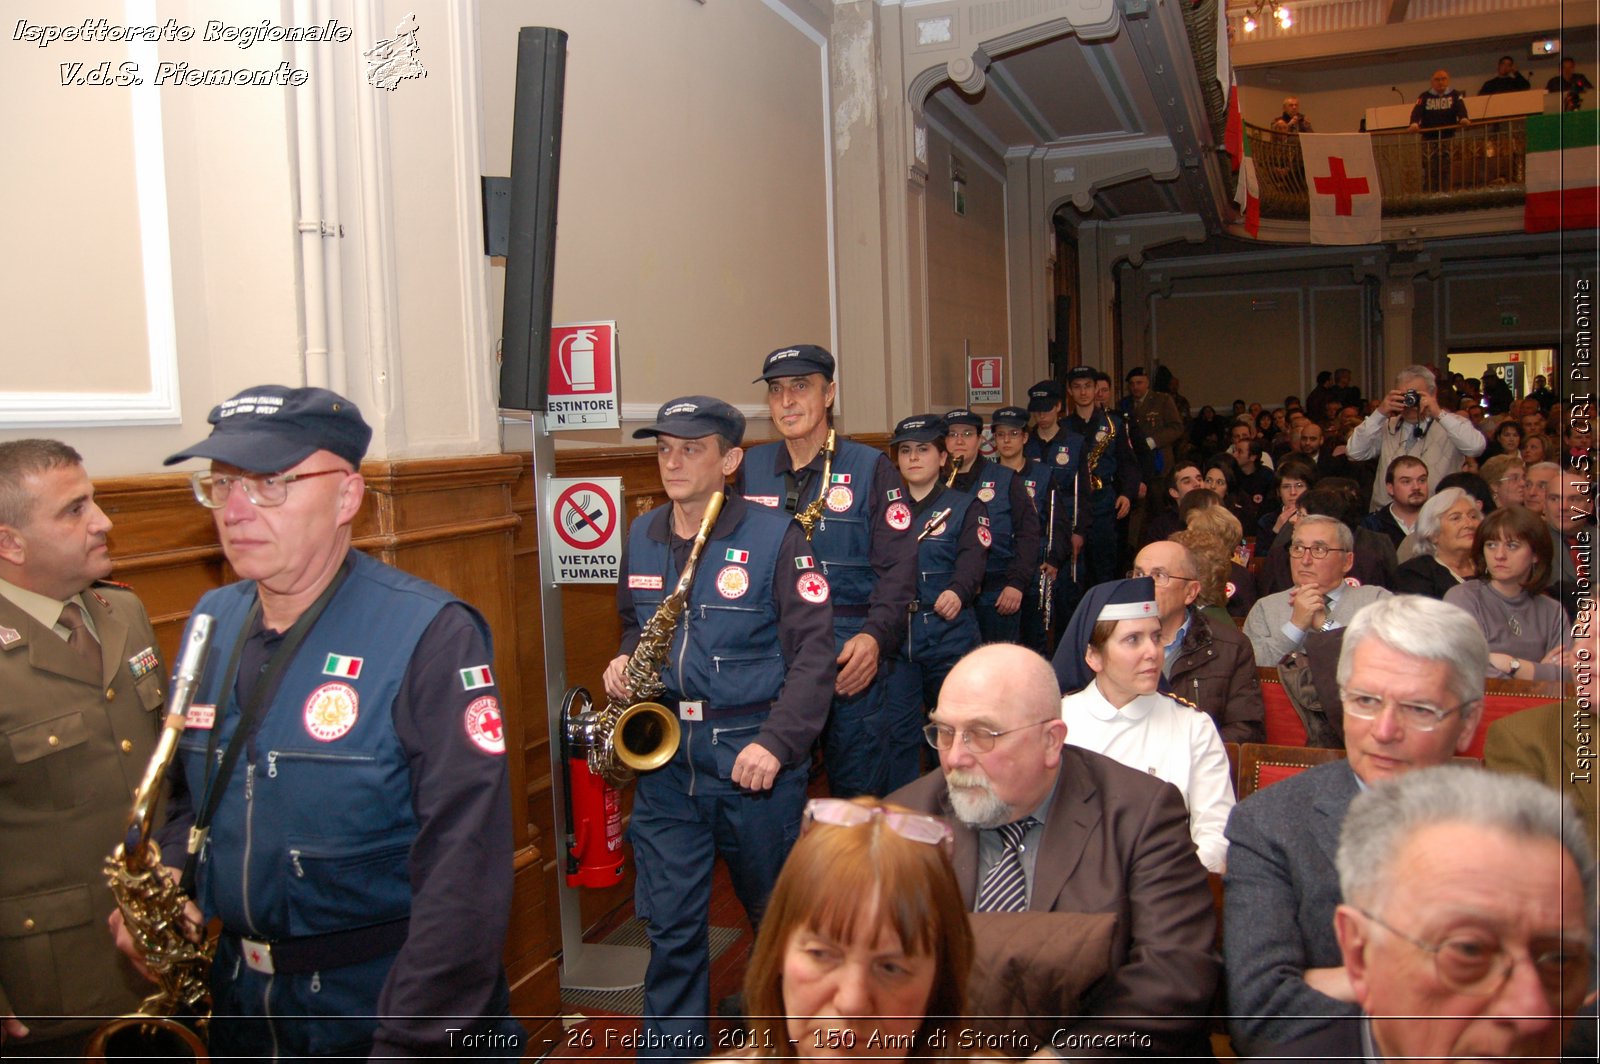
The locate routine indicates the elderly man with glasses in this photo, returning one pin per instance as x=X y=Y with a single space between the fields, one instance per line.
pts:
x=1468 y=921
x=1044 y=827
x=341 y=781
x=1411 y=674
x=1321 y=553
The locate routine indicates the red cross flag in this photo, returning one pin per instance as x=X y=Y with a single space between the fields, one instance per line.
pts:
x=1342 y=181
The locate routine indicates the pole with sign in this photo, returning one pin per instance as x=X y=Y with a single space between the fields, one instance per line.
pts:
x=983 y=380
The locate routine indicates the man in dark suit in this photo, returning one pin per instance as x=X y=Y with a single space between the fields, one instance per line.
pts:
x=1049 y=828
x=1411 y=674
x=1468 y=922
x=84 y=694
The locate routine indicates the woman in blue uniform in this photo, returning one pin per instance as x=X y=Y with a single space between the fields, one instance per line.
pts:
x=953 y=540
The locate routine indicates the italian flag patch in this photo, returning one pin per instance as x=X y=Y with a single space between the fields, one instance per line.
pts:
x=339 y=665
x=476 y=677
x=742 y=557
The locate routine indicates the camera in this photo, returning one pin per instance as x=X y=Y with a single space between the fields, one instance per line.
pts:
x=1411 y=398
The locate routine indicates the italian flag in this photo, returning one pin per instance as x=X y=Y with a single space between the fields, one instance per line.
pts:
x=476 y=677
x=740 y=556
x=1233 y=132
x=1563 y=172
x=1248 y=195
x=339 y=665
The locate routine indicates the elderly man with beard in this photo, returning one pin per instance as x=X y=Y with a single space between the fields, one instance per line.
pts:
x=1044 y=827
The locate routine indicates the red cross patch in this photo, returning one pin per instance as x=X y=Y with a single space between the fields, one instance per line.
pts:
x=485 y=725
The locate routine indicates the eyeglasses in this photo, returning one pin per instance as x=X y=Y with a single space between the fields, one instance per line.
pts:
x=1475 y=963
x=1009 y=434
x=1317 y=550
x=211 y=490
x=962 y=434
x=839 y=813
x=978 y=740
x=1161 y=577
x=1418 y=715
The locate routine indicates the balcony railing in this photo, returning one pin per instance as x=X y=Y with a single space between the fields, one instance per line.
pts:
x=1461 y=168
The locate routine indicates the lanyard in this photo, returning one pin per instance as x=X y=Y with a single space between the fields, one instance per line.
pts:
x=260 y=694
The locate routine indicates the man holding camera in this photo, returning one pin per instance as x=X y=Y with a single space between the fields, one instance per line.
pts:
x=1409 y=422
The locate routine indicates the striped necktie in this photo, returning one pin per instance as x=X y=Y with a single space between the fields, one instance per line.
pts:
x=1005 y=888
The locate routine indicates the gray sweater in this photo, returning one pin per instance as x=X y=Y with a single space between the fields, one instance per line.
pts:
x=1542 y=622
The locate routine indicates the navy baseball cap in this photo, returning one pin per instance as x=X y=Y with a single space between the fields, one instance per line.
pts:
x=797 y=361
x=1082 y=373
x=1044 y=395
x=1013 y=417
x=694 y=416
x=962 y=416
x=921 y=428
x=270 y=428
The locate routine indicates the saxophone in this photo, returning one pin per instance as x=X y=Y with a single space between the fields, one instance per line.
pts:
x=809 y=516
x=955 y=471
x=630 y=737
x=153 y=906
x=1096 y=452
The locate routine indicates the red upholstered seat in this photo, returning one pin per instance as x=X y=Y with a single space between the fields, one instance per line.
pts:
x=1282 y=722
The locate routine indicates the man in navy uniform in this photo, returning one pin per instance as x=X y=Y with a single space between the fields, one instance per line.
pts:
x=1112 y=471
x=1056 y=513
x=1013 y=562
x=863 y=544
x=342 y=777
x=750 y=675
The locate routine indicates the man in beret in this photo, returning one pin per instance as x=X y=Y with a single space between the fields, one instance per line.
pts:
x=341 y=786
x=750 y=675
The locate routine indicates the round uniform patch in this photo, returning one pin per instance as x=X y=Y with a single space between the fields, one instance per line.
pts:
x=1230 y=589
x=1062 y=457
x=733 y=581
x=839 y=498
x=331 y=711
x=986 y=494
x=813 y=587
x=1352 y=581
x=485 y=726
x=899 y=516
x=985 y=537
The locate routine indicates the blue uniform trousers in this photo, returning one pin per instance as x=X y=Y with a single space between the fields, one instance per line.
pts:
x=685 y=814
x=854 y=750
x=1099 y=561
x=995 y=627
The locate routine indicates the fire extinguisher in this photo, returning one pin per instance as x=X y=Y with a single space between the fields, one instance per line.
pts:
x=593 y=806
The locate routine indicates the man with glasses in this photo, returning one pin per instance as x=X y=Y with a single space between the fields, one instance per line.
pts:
x=1468 y=921
x=342 y=777
x=1321 y=553
x=1411 y=675
x=1013 y=559
x=1211 y=666
x=1044 y=827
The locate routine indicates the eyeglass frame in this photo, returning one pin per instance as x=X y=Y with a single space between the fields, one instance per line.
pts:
x=931 y=732
x=1506 y=964
x=202 y=495
x=893 y=819
x=1161 y=577
x=1298 y=550
x=1410 y=709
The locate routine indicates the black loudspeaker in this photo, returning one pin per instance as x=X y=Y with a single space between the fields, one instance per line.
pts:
x=531 y=247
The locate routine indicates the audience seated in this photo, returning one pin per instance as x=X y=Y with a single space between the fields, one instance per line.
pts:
x=1467 y=927
x=1528 y=633
x=1406 y=480
x=1507 y=479
x=1094 y=836
x=1411 y=678
x=1210 y=517
x=1320 y=597
x=1444 y=535
x=1541 y=743
x=1207 y=663
x=1295 y=474
x=1337 y=497
x=1109 y=665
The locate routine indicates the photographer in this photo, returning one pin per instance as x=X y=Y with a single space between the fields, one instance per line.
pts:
x=1408 y=421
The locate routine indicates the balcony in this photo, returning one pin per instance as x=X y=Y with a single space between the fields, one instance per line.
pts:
x=1476 y=167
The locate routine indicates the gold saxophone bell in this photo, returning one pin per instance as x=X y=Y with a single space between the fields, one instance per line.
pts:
x=158 y=1037
x=646 y=736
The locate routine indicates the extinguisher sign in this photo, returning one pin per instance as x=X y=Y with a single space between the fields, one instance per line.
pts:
x=983 y=379
x=583 y=376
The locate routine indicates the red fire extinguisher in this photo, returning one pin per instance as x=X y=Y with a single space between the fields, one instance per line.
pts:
x=593 y=807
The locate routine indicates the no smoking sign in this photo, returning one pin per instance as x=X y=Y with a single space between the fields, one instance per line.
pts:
x=583 y=529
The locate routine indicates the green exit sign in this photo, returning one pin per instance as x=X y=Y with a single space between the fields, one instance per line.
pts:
x=1508 y=319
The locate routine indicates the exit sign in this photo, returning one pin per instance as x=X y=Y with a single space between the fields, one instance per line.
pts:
x=1508 y=319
